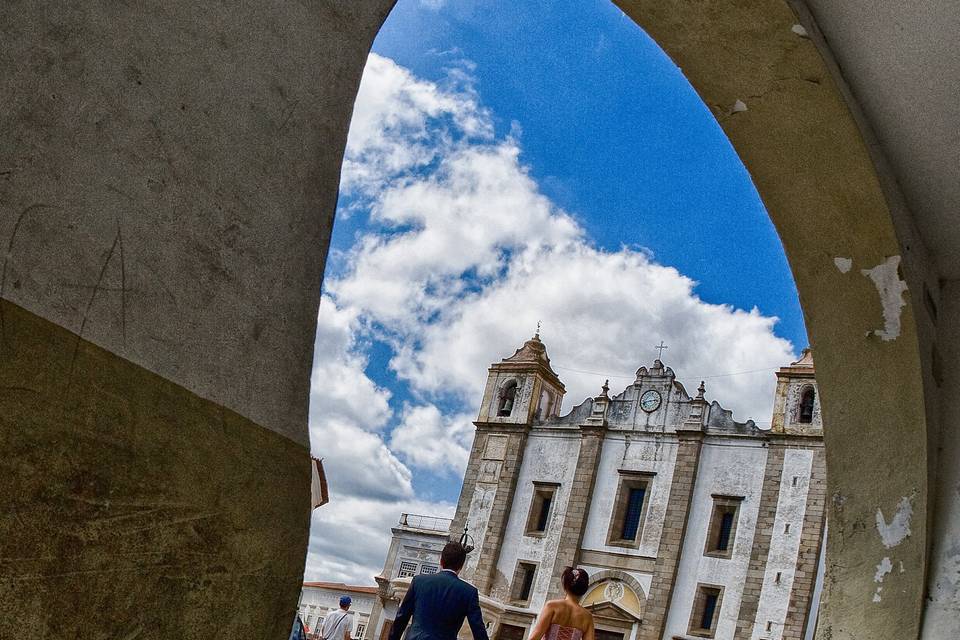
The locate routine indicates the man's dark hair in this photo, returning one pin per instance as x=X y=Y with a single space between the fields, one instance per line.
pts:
x=453 y=556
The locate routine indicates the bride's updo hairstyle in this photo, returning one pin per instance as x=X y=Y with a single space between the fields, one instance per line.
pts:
x=575 y=581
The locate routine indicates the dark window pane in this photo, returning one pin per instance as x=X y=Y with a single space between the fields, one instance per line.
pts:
x=544 y=513
x=709 y=607
x=726 y=525
x=527 y=583
x=631 y=520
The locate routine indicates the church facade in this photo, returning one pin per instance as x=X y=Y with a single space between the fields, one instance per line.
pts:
x=690 y=524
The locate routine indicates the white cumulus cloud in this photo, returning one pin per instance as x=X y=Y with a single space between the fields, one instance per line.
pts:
x=350 y=536
x=462 y=256
x=427 y=438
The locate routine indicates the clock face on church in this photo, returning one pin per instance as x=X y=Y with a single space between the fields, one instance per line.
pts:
x=650 y=401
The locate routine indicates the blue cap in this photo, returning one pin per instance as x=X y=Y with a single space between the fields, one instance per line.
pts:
x=345 y=601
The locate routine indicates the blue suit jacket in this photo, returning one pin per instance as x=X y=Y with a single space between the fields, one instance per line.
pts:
x=438 y=604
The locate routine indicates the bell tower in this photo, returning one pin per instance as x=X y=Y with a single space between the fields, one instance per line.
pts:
x=520 y=391
x=522 y=388
x=796 y=404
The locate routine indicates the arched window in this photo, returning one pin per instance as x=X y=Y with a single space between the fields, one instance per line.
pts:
x=507 y=395
x=545 y=405
x=806 y=405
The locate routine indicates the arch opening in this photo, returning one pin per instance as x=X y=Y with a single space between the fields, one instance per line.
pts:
x=521 y=392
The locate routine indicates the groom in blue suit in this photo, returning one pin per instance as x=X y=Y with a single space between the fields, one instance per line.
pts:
x=439 y=603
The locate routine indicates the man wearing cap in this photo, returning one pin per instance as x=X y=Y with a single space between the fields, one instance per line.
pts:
x=337 y=625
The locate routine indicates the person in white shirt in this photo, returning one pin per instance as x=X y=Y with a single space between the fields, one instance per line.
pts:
x=337 y=625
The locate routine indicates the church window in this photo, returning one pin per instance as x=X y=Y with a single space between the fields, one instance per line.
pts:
x=523 y=582
x=706 y=611
x=507 y=397
x=542 y=500
x=722 y=529
x=407 y=570
x=361 y=627
x=429 y=568
x=806 y=405
x=629 y=509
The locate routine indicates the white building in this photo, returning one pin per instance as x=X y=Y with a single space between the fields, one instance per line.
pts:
x=691 y=525
x=318 y=599
x=414 y=549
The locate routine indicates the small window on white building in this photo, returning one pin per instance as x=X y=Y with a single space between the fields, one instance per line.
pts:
x=429 y=568
x=540 y=505
x=407 y=570
x=361 y=627
x=507 y=397
x=722 y=529
x=523 y=582
x=706 y=611
x=629 y=509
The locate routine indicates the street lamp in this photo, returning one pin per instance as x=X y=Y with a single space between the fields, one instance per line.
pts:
x=466 y=541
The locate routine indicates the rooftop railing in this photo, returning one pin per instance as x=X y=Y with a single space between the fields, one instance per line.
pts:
x=425 y=523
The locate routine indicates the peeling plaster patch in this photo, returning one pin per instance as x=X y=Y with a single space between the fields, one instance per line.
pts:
x=739 y=106
x=883 y=569
x=799 y=30
x=843 y=264
x=887 y=280
x=899 y=528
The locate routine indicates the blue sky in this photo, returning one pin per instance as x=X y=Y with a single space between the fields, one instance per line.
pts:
x=515 y=162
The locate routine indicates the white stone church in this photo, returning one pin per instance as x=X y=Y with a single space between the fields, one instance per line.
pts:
x=691 y=525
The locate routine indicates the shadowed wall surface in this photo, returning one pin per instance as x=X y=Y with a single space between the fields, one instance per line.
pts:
x=168 y=176
x=133 y=506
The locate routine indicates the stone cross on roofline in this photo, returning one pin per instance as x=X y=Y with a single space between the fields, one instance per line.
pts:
x=660 y=347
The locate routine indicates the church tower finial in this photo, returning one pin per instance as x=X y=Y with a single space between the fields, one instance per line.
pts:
x=605 y=389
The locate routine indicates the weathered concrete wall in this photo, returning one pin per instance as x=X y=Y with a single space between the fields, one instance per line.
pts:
x=727 y=468
x=776 y=594
x=642 y=452
x=169 y=180
x=549 y=458
x=942 y=617
x=133 y=507
x=168 y=176
x=806 y=153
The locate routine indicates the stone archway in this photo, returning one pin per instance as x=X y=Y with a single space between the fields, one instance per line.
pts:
x=153 y=380
x=616 y=599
